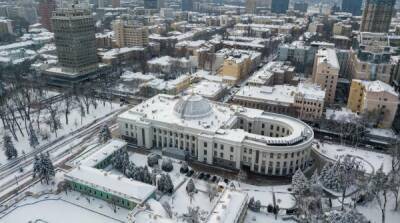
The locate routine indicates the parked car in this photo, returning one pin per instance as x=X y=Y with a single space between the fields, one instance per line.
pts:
x=206 y=176
x=200 y=176
x=213 y=179
x=190 y=173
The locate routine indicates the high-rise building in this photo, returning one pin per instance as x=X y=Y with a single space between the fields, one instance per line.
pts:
x=300 y=6
x=74 y=35
x=377 y=15
x=128 y=34
x=326 y=72
x=279 y=6
x=187 y=5
x=6 y=26
x=115 y=3
x=251 y=6
x=46 y=9
x=352 y=6
x=100 y=3
x=370 y=57
x=151 y=4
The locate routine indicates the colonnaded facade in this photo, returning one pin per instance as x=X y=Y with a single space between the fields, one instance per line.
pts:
x=220 y=134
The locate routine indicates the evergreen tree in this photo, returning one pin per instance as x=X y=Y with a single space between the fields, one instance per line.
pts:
x=165 y=184
x=43 y=168
x=190 y=188
x=130 y=170
x=105 y=134
x=9 y=148
x=167 y=165
x=33 y=140
x=152 y=159
x=146 y=175
x=120 y=160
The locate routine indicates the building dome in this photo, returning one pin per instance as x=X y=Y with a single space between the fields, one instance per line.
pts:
x=193 y=107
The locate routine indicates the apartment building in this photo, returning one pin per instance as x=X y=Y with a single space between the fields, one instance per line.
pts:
x=374 y=97
x=326 y=72
x=128 y=34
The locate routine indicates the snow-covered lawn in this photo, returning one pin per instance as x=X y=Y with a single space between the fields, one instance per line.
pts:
x=370 y=160
x=62 y=208
x=373 y=213
x=75 y=122
x=180 y=202
x=265 y=194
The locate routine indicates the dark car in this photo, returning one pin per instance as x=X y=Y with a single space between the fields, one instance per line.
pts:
x=201 y=175
x=226 y=181
x=206 y=176
x=190 y=173
x=213 y=179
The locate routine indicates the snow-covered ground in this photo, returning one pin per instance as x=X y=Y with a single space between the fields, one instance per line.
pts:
x=180 y=202
x=53 y=211
x=61 y=208
x=370 y=160
x=75 y=122
x=373 y=213
x=176 y=177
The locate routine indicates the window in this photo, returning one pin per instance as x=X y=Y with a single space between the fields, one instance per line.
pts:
x=244 y=150
x=205 y=144
x=262 y=125
x=221 y=155
x=250 y=151
x=264 y=155
x=231 y=149
x=222 y=147
x=279 y=155
x=215 y=145
x=286 y=155
x=272 y=127
x=126 y=125
x=271 y=155
x=231 y=158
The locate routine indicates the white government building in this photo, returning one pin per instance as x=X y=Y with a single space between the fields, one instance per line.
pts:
x=220 y=134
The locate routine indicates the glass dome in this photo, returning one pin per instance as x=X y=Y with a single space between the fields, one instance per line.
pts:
x=193 y=107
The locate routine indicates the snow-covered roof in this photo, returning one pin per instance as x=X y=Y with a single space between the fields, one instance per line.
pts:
x=229 y=207
x=205 y=88
x=131 y=76
x=17 y=45
x=111 y=183
x=102 y=153
x=377 y=86
x=328 y=55
x=117 y=51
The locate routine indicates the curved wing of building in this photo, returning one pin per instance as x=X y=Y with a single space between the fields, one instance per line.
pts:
x=226 y=135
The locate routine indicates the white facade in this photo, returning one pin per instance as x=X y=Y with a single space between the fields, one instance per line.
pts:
x=220 y=134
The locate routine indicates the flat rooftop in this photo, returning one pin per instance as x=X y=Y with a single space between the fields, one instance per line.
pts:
x=111 y=183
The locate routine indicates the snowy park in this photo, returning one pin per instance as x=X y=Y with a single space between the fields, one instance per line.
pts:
x=52 y=123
